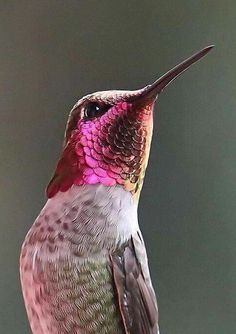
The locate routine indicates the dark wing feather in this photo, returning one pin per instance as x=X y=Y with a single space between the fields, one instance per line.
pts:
x=136 y=297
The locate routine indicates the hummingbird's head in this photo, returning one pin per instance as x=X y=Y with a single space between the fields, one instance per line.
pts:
x=108 y=136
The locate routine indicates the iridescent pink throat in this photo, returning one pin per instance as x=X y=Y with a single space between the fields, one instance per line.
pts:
x=107 y=150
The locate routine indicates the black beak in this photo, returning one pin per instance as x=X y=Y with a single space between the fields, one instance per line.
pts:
x=150 y=92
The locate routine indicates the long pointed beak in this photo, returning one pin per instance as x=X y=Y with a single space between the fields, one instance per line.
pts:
x=150 y=92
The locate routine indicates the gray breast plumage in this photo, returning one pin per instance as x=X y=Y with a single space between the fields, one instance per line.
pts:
x=65 y=261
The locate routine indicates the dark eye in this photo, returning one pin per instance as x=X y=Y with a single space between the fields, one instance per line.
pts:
x=94 y=109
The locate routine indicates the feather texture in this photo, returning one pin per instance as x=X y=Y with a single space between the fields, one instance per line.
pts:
x=136 y=297
x=66 y=270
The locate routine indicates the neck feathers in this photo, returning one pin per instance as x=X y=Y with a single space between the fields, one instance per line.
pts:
x=90 y=218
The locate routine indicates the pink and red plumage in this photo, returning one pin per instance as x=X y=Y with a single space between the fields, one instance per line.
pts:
x=108 y=150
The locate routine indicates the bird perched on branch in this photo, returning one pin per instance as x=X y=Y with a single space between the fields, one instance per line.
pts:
x=83 y=264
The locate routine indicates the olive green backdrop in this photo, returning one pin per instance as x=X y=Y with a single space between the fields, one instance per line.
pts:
x=52 y=53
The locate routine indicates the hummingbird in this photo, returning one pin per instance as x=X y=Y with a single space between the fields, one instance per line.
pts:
x=83 y=264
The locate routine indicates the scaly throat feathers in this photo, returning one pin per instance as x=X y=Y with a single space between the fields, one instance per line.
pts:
x=112 y=149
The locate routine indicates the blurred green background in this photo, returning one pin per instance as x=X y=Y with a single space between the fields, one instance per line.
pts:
x=52 y=53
